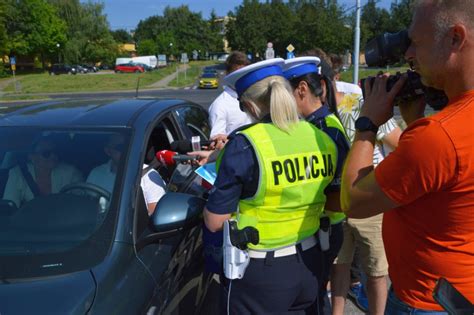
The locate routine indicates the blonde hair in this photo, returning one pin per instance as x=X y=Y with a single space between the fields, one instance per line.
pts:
x=273 y=95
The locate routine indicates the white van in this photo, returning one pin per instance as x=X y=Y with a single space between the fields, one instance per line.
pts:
x=122 y=61
x=150 y=61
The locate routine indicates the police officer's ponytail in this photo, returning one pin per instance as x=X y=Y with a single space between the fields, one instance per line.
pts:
x=273 y=95
x=314 y=83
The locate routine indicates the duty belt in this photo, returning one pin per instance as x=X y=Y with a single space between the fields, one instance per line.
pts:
x=306 y=244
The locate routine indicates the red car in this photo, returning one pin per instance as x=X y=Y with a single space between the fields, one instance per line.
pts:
x=129 y=67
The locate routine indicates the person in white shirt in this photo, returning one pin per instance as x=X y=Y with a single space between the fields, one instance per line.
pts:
x=224 y=113
x=152 y=184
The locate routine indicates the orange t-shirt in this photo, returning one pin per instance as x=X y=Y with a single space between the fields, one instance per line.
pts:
x=431 y=176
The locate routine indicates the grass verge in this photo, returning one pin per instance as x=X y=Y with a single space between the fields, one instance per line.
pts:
x=191 y=75
x=22 y=97
x=186 y=78
x=44 y=83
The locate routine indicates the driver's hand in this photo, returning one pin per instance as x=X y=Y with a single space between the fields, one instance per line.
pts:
x=378 y=103
x=218 y=142
x=203 y=156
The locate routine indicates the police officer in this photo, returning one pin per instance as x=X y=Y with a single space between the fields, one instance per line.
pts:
x=310 y=86
x=272 y=176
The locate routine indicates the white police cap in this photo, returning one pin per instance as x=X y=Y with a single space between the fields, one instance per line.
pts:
x=241 y=79
x=297 y=67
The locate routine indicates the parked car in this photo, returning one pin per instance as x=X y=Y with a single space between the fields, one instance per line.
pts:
x=90 y=68
x=144 y=66
x=223 y=58
x=210 y=69
x=208 y=80
x=83 y=250
x=105 y=66
x=81 y=69
x=60 y=68
x=129 y=67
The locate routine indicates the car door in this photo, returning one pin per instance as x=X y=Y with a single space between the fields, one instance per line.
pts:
x=176 y=262
x=193 y=120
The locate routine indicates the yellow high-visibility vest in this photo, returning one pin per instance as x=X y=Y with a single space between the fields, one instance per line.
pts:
x=294 y=169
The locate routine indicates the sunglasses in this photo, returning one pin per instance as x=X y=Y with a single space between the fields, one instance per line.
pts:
x=242 y=106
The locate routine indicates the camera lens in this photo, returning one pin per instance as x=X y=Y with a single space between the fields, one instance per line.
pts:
x=386 y=49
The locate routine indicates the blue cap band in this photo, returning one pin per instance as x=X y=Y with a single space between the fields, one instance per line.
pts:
x=247 y=80
x=301 y=70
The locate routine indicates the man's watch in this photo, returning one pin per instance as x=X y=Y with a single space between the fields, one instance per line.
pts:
x=365 y=124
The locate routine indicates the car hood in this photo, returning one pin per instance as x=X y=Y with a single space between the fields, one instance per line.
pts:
x=66 y=294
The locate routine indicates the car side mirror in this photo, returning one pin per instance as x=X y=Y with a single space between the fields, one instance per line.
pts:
x=176 y=211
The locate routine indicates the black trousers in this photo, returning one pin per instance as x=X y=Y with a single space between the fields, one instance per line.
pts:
x=282 y=285
x=335 y=243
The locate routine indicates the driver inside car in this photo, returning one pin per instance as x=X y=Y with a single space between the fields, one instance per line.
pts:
x=41 y=175
x=152 y=184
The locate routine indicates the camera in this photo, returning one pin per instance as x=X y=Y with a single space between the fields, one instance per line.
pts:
x=388 y=49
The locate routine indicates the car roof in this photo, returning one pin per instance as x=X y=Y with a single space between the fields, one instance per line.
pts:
x=88 y=112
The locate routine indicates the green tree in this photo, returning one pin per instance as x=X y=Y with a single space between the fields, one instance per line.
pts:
x=34 y=28
x=88 y=33
x=185 y=30
x=374 y=21
x=147 y=47
x=305 y=24
x=150 y=28
x=122 y=36
x=247 y=32
x=400 y=15
x=280 y=21
x=216 y=33
x=3 y=32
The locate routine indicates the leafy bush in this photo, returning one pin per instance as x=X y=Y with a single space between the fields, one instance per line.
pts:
x=3 y=71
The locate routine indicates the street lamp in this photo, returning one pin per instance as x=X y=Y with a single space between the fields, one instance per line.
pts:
x=59 y=56
x=357 y=44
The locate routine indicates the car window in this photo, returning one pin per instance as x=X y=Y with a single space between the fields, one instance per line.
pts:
x=209 y=75
x=59 y=192
x=194 y=121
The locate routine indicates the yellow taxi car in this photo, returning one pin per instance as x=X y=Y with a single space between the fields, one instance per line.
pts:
x=208 y=80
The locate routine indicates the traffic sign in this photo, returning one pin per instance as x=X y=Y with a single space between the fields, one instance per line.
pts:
x=12 y=60
x=290 y=55
x=13 y=67
x=184 y=58
x=269 y=53
x=290 y=48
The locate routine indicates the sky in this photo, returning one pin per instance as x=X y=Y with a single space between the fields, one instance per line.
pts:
x=127 y=13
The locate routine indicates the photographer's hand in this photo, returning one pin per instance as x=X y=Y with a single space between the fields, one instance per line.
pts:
x=378 y=103
x=412 y=110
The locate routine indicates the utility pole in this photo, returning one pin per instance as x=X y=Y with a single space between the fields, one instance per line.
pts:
x=356 y=44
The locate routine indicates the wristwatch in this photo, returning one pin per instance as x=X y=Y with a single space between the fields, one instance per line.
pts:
x=365 y=124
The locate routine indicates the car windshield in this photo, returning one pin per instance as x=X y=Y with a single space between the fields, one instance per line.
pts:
x=208 y=75
x=59 y=198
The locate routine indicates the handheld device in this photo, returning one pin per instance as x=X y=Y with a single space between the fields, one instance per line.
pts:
x=236 y=257
x=451 y=299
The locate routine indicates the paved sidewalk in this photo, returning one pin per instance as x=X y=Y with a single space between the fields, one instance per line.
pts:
x=163 y=83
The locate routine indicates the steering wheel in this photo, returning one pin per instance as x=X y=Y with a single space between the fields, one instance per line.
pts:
x=88 y=188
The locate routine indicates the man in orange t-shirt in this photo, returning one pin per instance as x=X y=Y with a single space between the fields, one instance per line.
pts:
x=426 y=186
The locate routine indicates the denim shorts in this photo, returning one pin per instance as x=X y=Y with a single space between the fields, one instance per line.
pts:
x=395 y=306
